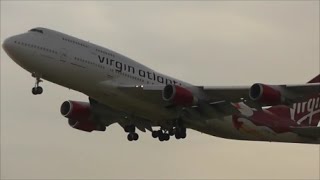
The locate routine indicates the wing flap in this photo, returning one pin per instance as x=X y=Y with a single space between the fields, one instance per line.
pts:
x=213 y=110
x=230 y=93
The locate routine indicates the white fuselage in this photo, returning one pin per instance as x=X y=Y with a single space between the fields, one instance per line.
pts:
x=98 y=72
x=90 y=69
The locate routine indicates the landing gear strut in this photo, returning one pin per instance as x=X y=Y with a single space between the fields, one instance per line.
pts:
x=180 y=133
x=37 y=89
x=132 y=136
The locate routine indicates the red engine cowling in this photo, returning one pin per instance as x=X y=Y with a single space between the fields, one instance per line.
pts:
x=265 y=94
x=178 y=95
x=87 y=126
x=79 y=114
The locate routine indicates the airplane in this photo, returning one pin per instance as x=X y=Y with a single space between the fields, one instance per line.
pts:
x=125 y=92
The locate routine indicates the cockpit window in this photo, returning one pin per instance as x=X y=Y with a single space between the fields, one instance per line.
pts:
x=37 y=30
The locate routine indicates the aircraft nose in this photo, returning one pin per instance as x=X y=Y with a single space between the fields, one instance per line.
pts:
x=7 y=45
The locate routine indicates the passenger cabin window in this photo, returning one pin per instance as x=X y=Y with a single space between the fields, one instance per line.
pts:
x=37 y=30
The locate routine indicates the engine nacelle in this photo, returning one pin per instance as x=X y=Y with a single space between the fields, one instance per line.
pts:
x=178 y=95
x=265 y=94
x=78 y=114
x=75 y=110
x=87 y=126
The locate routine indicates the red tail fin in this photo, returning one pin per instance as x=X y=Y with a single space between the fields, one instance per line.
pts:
x=315 y=80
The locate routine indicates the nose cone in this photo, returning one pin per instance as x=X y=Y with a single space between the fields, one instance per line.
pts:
x=15 y=50
x=7 y=45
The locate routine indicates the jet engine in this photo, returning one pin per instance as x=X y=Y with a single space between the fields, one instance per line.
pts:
x=178 y=95
x=265 y=94
x=78 y=114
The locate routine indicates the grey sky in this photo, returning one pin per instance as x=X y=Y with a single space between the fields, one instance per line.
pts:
x=204 y=43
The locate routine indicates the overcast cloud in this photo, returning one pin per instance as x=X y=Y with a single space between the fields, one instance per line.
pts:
x=204 y=43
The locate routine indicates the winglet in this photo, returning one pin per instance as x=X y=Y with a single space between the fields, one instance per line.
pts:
x=315 y=79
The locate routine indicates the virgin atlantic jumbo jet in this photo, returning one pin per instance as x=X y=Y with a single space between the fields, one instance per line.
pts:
x=123 y=91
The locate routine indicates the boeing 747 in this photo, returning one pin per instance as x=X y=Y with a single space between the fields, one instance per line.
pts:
x=123 y=91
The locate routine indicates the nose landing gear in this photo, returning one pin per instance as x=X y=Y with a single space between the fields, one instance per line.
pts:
x=37 y=89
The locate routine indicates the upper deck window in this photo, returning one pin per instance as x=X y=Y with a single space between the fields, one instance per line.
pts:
x=37 y=30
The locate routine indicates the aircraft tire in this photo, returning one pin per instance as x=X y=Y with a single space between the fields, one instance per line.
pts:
x=166 y=137
x=34 y=91
x=161 y=137
x=39 y=90
x=129 y=137
x=172 y=132
x=135 y=136
x=155 y=134
x=183 y=135
x=177 y=135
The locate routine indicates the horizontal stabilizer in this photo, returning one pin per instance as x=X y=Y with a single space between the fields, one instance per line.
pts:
x=311 y=132
x=315 y=79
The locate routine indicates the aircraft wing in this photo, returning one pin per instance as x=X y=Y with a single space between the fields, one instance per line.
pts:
x=108 y=116
x=294 y=93
x=227 y=93
x=236 y=93
x=152 y=93
x=222 y=94
x=230 y=93
x=212 y=109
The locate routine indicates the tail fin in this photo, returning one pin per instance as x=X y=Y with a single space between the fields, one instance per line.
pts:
x=315 y=79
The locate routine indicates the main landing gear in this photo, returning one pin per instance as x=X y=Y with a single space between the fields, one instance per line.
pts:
x=164 y=135
x=132 y=135
x=37 y=89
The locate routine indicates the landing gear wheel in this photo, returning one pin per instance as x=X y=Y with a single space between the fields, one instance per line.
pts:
x=34 y=91
x=177 y=135
x=135 y=136
x=39 y=90
x=161 y=136
x=155 y=134
x=166 y=137
x=172 y=132
x=130 y=137
x=183 y=135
